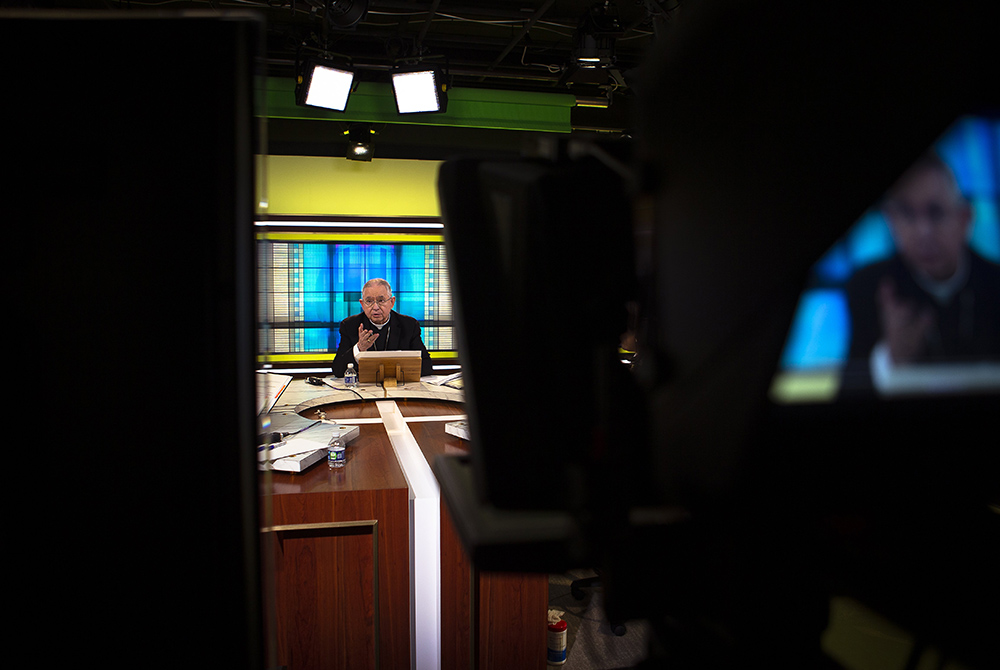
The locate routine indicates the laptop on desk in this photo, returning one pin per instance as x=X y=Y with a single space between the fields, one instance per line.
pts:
x=270 y=386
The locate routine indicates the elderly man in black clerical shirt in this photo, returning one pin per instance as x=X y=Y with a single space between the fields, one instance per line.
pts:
x=935 y=300
x=378 y=328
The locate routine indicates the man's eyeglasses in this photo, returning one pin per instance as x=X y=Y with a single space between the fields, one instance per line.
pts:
x=381 y=300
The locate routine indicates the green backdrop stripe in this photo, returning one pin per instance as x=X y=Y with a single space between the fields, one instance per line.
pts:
x=467 y=107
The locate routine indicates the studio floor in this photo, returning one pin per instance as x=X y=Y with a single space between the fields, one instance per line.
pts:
x=857 y=638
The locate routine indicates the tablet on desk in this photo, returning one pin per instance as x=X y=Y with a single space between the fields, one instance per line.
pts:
x=377 y=366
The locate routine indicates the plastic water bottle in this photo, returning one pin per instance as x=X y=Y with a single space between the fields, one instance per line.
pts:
x=335 y=453
x=351 y=376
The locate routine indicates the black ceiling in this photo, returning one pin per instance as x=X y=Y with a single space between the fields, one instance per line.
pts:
x=526 y=45
x=508 y=44
x=522 y=45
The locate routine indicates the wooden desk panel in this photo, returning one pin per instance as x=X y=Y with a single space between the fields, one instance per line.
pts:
x=489 y=621
x=340 y=546
x=495 y=620
x=513 y=613
x=457 y=598
x=336 y=621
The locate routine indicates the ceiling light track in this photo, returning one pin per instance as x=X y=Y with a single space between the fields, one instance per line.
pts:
x=524 y=31
x=533 y=72
x=427 y=23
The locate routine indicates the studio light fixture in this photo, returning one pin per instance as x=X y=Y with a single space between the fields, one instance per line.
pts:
x=596 y=36
x=419 y=91
x=360 y=142
x=594 y=51
x=325 y=84
x=345 y=13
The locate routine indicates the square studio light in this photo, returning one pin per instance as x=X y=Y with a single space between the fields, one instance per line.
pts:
x=419 y=91
x=326 y=86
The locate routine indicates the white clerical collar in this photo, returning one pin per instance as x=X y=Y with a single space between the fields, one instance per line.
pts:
x=380 y=326
x=943 y=290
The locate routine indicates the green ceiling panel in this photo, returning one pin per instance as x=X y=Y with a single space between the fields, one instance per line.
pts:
x=467 y=107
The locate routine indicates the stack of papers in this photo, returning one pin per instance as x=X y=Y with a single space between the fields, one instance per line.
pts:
x=299 y=451
x=458 y=429
x=453 y=380
x=296 y=463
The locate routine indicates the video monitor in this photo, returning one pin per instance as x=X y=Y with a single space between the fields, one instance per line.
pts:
x=907 y=302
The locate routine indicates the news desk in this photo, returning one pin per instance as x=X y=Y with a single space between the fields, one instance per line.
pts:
x=368 y=571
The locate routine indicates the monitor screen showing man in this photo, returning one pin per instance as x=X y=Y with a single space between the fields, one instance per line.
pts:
x=378 y=328
x=935 y=300
x=907 y=301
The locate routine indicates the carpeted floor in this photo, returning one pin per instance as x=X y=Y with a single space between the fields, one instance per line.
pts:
x=591 y=644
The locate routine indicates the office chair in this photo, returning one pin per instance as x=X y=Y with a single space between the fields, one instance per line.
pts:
x=576 y=589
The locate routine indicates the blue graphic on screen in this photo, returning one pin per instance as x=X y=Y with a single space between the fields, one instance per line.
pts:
x=819 y=335
x=313 y=286
x=332 y=278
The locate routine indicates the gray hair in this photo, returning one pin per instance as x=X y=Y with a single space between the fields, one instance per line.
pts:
x=377 y=281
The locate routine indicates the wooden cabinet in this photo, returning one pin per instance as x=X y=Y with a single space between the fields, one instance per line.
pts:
x=338 y=544
x=337 y=552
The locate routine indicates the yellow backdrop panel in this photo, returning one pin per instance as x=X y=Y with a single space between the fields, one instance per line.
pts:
x=325 y=186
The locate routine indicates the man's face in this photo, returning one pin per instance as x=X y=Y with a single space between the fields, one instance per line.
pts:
x=929 y=221
x=376 y=303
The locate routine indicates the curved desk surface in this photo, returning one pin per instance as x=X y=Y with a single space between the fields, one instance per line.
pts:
x=383 y=487
x=370 y=460
x=425 y=412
